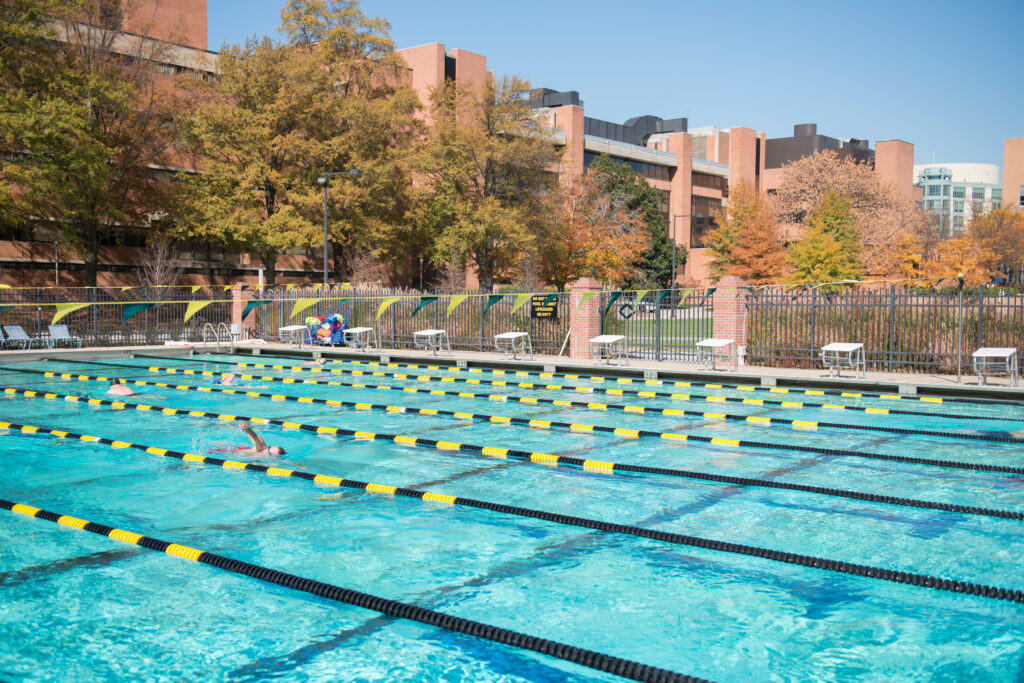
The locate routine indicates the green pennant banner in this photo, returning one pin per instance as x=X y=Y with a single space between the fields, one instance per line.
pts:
x=708 y=295
x=611 y=301
x=301 y=305
x=424 y=301
x=244 y=287
x=663 y=294
x=491 y=300
x=194 y=307
x=386 y=304
x=64 y=309
x=521 y=300
x=639 y=299
x=132 y=309
x=454 y=302
x=252 y=305
x=550 y=298
x=587 y=296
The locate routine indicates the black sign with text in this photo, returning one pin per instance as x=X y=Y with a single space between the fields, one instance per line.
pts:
x=544 y=306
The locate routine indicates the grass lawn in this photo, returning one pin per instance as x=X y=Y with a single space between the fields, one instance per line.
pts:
x=680 y=332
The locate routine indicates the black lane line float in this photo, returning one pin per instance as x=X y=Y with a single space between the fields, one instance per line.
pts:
x=594 y=660
x=838 y=566
x=768 y=445
x=999 y=437
x=651 y=382
x=596 y=466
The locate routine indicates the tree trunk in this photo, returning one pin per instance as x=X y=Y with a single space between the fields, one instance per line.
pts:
x=338 y=269
x=269 y=272
x=90 y=235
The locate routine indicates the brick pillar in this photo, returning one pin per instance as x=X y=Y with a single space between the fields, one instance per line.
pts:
x=238 y=301
x=730 y=310
x=585 y=323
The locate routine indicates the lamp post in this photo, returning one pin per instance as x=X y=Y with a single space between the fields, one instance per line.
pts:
x=322 y=180
x=421 y=273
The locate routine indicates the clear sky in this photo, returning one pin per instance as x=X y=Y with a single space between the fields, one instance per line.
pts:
x=945 y=76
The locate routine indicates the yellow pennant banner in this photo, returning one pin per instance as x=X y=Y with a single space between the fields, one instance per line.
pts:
x=386 y=304
x=194 y=307
x=317 y=286
x=196 y=288
x=587 y=296
x=125 y=289
x=227 y=288
x=454 y=302
x=288 y=288
x=521 y=300
x=64 y=309
x=301 y=305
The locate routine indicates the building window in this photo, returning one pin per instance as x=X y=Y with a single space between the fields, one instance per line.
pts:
x=715 y=182
x=958 y=207
x=978 y=193
x=934 y=191
x=997 y=193
x=702 y=219
x=652 y=171
x=1021 y=195
x=959 y=192
x=958 y=221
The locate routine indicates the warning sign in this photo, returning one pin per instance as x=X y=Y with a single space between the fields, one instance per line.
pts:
x=544 y=306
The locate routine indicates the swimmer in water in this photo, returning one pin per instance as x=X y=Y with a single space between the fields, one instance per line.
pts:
x=118 y=389
x=259 y=447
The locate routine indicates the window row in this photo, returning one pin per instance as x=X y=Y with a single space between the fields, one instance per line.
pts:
x=652 y=171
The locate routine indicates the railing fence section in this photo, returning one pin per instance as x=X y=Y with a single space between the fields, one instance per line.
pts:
x=901 y=329
x=103 y=324
x=660 y=325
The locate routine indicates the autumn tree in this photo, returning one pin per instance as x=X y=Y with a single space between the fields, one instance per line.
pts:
x=489 y=169
x=961 y=256
x=829 y=250
x=652 y=267
x=747 y=241
x=281 y=114
x=879 y=209
x=1001 y=232
x=597 y=235
x=85 y=108
x=906 y=260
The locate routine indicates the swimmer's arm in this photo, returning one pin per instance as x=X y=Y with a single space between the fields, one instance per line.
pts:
x=258 y=444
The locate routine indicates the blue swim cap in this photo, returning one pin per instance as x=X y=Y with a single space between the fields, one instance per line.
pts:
x=216 y=381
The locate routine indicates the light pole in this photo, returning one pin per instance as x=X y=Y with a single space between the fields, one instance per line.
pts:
x=421 y=273
x=352 y=172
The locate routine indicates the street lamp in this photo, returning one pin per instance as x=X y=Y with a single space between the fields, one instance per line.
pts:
x=322 y=180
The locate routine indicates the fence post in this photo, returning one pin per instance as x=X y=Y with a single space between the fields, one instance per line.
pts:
x=657 y=328
x=585 y=323
x=729 y=311
x=892 y=322
x=814 y=322
x=238 y=301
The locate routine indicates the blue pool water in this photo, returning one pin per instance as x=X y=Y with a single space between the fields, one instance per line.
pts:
x=81 y=606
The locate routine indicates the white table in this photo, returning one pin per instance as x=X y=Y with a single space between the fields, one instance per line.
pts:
x=711 y=349
x=364 y=338
x=995 y=361
x=432 y=341
x=839 y=354
x=294 y=334
x=513 y=344
x=609 y=346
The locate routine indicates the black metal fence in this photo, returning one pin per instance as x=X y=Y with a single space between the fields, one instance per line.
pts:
x=470 y=327
x=901 y=329
x=102 y=323
x=660 y=325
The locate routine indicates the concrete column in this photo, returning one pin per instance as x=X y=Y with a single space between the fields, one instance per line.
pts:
x=730 y=310
x=585 y=323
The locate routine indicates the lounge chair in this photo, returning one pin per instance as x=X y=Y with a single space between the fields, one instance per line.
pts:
x=16 y=335
x=59 y=334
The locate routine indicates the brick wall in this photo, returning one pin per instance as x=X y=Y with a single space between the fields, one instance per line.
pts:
x=730 y=310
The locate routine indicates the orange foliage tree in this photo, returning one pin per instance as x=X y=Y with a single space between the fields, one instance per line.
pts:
x=1000 y=231
x=597 y=235
x=747 y=242
x=961 y=256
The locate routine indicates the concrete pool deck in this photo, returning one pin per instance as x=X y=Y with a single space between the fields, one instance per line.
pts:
x=886 y=382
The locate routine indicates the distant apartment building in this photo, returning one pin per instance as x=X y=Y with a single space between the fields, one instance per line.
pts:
x=955 y=193
x=1013 y=173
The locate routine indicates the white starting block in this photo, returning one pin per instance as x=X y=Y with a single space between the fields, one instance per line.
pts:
x=710 y=350
x=432 y=341
x=609 y=347
x=293 y=334
x=995 y=361
x=844 y=355
x=514 y=344
x=363 y=338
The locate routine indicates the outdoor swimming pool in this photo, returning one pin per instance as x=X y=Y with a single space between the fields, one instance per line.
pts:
x=78 y=605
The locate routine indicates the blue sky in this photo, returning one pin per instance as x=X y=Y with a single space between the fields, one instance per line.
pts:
x=944 y=76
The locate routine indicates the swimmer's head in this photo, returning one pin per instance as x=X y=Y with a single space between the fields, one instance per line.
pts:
x=114 y=382
x=216 y=380
x=275 y=450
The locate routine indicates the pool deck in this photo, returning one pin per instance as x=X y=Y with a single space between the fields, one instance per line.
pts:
x=886 y=382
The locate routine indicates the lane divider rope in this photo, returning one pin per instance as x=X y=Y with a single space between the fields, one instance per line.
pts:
x=893 y=575
x=402 y=610
x=931 y=462
x=659 y=382
x=596 y=466
x=613 y=392
x=795 y=424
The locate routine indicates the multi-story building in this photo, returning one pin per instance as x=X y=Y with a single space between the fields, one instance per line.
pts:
x=1013 y=173
x=954 y=193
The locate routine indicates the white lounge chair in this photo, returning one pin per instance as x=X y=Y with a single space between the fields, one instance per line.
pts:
x=16 y=335
x=59 y=335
